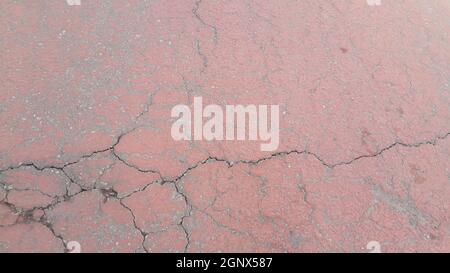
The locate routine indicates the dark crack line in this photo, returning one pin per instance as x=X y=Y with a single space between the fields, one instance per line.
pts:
x=230 y=164
x=128 y=164
x=175 y=181
x=181 y=223
x=67 y=164
x=200 y=19
x=397 y=143
x=49 y=225
x=282 y=154
x=142 y=232
x=331 y=166
x=26 y=216
x=189 y=211
x=302 y=152
x=202 y=55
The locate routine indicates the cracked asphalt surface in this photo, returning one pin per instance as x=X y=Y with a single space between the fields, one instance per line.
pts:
x=86 y=153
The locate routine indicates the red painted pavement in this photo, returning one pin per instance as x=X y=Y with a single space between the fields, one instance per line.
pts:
x=86 y=153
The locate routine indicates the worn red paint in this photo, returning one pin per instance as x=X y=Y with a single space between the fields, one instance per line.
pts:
x=86 y=153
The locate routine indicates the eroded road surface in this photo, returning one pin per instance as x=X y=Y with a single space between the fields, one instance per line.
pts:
x=87 y=158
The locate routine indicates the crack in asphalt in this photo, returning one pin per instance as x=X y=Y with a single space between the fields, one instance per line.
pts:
x=397 y=143
x=26 y=216
x=66 y=197
x=200 y=19
x=181 y=223
x=202 y=55
x=142 y=232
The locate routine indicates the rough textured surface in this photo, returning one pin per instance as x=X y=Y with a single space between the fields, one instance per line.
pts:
x=86 y=153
